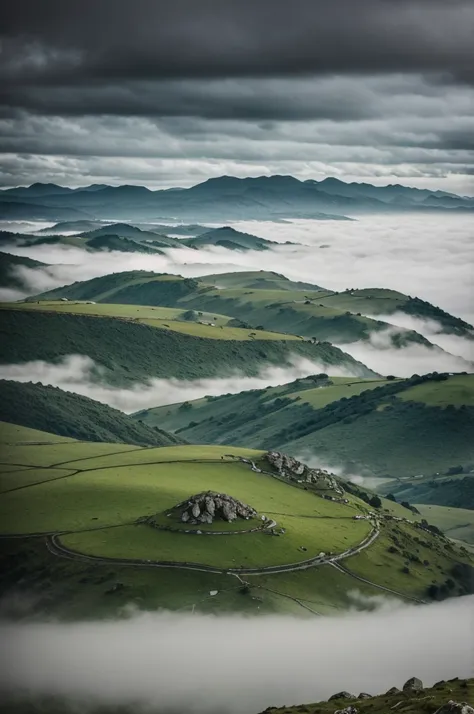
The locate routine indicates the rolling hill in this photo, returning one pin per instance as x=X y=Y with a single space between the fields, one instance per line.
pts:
x=50 y=409
x=227 y=237
x=129 y=350
x=385 y=428
x=271 y=301
x=103 y=512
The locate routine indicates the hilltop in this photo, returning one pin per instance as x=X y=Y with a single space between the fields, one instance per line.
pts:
x=227 y=237
x=270 y=301
x=50 y=409
x=387 y=428
x=133 y=348
x=103 y=510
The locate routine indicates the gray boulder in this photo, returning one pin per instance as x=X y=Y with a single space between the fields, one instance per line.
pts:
x=196 y=510
x=342 y=695
x=364 y=695
x=413 y=685
x=393 y=691
x=348 y=710
x=455 y=708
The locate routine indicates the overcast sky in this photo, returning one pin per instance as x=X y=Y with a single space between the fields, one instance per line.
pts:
x=171 y=92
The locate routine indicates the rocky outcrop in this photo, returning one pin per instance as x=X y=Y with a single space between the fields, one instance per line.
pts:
x=392 y=691
x=412 y=685
x=455 y=708
x=294 y=470
x=347 y=710
x=342 y=695
x=209 y=506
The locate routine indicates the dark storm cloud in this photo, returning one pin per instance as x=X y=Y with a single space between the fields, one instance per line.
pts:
x=185 y=38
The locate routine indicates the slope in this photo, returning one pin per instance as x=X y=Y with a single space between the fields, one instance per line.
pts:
x=67 y=414
x=389 y=428
x=129 y=351
x=107 y=505
x=9 y=273
x=284 y=309
x=227 y=237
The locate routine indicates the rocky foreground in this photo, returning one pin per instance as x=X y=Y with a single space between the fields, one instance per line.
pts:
x=449 y=697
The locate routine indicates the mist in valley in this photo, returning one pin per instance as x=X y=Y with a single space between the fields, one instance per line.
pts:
x=202 y=664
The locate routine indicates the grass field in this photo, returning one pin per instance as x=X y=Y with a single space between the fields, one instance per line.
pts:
x=159 y=317
x=458 y=391
x=457 y=523
x=101 y=489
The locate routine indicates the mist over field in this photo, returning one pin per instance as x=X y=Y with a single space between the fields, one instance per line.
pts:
x=197 y=664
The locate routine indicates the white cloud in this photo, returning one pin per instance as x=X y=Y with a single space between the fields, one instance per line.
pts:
x=79 y=374
x=205 y=664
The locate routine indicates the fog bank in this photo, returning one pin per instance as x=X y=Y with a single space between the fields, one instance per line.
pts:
x=234 y=665
x=379 y=354
x=79 y=374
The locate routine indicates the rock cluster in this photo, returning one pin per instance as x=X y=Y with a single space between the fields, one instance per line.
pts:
x=208 y=506
x=294 y=470
x=455 y=708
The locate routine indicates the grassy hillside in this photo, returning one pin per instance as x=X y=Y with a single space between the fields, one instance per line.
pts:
x=8 y=266
x=427 y=701
x=227 y=237
x=260 y=299
x=94 y=494
x=50 y=409
x=457 y=523
x=130 y=351
x=390 y=428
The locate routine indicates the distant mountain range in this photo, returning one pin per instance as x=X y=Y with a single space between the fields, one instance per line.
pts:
x=223 y=198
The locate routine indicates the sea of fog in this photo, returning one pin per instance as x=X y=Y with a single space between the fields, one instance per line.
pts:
x=426 y=256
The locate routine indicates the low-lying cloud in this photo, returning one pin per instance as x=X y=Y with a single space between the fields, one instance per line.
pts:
x=80 y=374
x=433 y=331
x=379 y=354
x=430 y=257
x=196 y=664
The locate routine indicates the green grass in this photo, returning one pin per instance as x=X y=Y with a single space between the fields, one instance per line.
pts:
x=262 y=298
x=129 y=351
x=459 y=390
x=158 y=317
x=457 y=523
x=380 y=428
x=118 y=483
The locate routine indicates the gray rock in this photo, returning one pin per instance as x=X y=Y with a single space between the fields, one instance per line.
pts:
x=364 y=695
x=185 y=516
x=455 y=708
x=342 y=695
x=196 y=510
x=393 y=691
x=413 y=685
x=348 y=710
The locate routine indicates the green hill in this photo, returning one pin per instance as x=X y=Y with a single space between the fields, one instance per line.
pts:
x=130 y=351
x=50 y=409
x=8 y=266
x=108 y=506
x=227 y=237
x=384 y=428
x=134 y=233
x=261 y=299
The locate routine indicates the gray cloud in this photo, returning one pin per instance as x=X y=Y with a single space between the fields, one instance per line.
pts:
x=178 y=38
x=238 y=665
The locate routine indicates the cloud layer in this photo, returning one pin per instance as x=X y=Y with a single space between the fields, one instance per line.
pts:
x=78 y=374
x=172 y=92
x=197 y=664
